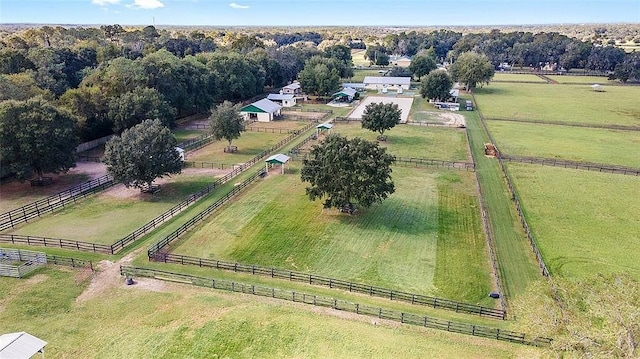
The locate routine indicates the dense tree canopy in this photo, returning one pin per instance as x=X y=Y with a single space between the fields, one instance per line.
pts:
x=36 y=137
x=472 y=69
x=347 y=173
x=422 y=65
x=226 y=122
x=131 y=108
x=320 y=76
x=436 y=85
x=379 y=117
x=141 y=154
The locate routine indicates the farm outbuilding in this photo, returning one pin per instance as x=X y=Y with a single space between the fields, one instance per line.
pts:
x=379 y=83
x=293 y=89
x=324 y=127
x=284 y=100
x=277 y=159
x=20 y=345
x=262 y=111
x=347 y=94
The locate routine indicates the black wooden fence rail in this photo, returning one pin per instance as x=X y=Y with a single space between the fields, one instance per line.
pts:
x=270 y=130
x=196 y=143
x=416 y=162
x=599 y=167
x=337 y=304
x=69 y=261
x=55 y=242
x=564 y=123
x=374 y=291
x=543 y=267
x=51 y=203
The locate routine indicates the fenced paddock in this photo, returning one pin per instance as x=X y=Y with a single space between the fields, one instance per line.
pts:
x=337 y=304
x=18 y=263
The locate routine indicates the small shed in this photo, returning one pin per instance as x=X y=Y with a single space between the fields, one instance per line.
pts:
x=454 y=93
x=275 y=159
x=345 y=95
x=359 y=86
x=293 y=89
x=264 y=110
x=597 y=88
x=324 y=127
x=285 y=100
x=20 y=345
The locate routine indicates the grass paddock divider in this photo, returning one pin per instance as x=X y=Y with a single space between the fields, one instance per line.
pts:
x=579 y=165
x=337 y=304
x=570 y=124
x=416 y=299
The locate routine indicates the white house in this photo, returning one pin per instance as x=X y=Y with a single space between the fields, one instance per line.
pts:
x=285 y=100
x=264 y=110
x=379 y=83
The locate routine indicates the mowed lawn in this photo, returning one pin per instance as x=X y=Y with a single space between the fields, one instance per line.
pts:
x=618 y=105
x=595 y=145
x=509 y=77
x=589 y=80
x=584 y=222
x=393 y=244
x=447 y=144
x=114 y=213
x=165 y=320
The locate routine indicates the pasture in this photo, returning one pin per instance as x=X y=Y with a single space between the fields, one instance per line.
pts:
x=618 y=105
x=583 y=222
x=393 y=244
x=588 y=80
x=438 y=143
x=510 y=77
x=570 y=143
x=157 y=319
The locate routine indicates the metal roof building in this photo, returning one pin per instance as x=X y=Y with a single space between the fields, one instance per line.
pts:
x=263 y=111
x=20 y=345
x=377 y=82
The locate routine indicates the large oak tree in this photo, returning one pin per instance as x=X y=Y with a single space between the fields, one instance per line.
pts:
x=379 y=117
x=348 y=172
x=226 y=122
x=472 y=68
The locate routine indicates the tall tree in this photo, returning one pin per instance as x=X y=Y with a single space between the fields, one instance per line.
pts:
x=422 y=65
x=379 y=117
x=436 y=85
x=472 y=69
x=226 y=122
x=319 y=76
x=133 y=107
x=36 y=137
x=347 y=173
x=141 y=154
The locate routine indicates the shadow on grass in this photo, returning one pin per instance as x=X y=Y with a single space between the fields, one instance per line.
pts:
x=395 y=215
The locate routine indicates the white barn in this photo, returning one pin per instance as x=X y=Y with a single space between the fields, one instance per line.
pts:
x=285 y=100
x=262 y=111
x=379 y=83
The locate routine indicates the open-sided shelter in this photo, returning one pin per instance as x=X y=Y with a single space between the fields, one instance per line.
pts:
x=327 y=126
x=262 y=111
x=20 y=345
x=277 y=159
x=345 y=95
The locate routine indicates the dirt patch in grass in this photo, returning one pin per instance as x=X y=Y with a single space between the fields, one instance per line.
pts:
x=107 y=276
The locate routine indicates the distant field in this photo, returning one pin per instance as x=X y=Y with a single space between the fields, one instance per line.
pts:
x=590 y=80
x=439 y=143
x=359 y=75
x=506 y=76
x=113 y=213
x=584 y=222
x=618 y=105
x=249 y=145
x=163 y=320
x=570 y=143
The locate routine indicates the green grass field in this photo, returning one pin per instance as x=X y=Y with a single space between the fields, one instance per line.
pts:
x=182 y=135
x=249 y=145
x=589 y=80
x=415 y=141
x=583 y=221
x=393 y=244
x=14 y=194
x=570 y=143
x=506 y=76
x=618 y=105
x=173 y=320
x=93 y=219
x=359 y=75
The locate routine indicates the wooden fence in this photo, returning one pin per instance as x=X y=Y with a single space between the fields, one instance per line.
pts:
x=599 y=167
x=196 y=143
x=55 y=242
x=562 y=123
x=543 y=267
x=416 y=299
x=337 y=304
x=69 y=261
x=36 y=209
x=418 y=162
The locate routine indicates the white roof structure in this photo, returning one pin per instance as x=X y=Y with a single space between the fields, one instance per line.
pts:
x=354 y=85
x=348 y=91
x=280 y=97
x=20 y=345
x=264 y=105
x=293 y=86
x=279 y=158
x=454 y=92
x=325 y=125
x=375 y=80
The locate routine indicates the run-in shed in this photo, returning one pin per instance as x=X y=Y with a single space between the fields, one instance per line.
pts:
x=20 y=345
x=324 y=127
x=275 y=159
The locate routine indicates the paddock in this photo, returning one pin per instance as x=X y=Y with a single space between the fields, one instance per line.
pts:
x=404 y=103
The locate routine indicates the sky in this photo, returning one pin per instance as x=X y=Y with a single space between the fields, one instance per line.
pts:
x=319 y=12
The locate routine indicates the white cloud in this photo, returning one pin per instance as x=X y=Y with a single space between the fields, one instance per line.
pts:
x=105 y=2
x=236 y=6
x=147 y=4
